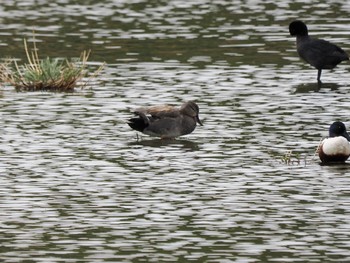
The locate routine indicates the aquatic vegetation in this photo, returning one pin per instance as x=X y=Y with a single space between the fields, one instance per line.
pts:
x=47 y=74
x=291 y=158
x=288 y=158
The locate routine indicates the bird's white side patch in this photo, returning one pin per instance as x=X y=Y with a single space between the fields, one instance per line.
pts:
x=335 y=146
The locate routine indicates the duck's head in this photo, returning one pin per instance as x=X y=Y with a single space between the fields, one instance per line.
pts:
x=190 y=108
x=338 y=129
x=298 y=28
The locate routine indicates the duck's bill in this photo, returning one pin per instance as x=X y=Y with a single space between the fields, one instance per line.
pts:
x=346 y=135
x=199 y=121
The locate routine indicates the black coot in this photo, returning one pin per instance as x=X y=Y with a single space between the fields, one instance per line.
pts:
x=317 y=52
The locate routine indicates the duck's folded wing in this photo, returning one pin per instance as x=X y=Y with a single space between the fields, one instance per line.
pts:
x=159 y=111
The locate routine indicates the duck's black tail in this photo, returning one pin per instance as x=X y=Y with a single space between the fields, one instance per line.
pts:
x=137 y=124
x=140 y=122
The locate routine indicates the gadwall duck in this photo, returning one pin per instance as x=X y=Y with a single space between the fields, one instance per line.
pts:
x=166 y=121
x=319 y=53
x=336 y=148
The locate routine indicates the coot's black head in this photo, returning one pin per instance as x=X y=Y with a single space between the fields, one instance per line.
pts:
x=298 y=28
x=338 y=129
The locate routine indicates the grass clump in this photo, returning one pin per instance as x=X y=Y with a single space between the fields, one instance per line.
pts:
x=291 y=158
x=47 y=74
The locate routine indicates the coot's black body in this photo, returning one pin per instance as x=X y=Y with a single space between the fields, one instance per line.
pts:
x=319 y=53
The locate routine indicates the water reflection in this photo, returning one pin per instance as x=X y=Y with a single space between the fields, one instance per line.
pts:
x=339 y=166
x=315 y=87
x=186 y=144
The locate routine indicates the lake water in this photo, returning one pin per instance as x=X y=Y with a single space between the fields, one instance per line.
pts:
x=77 y=186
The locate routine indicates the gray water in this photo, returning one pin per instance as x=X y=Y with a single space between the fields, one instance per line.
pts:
x=77 y=186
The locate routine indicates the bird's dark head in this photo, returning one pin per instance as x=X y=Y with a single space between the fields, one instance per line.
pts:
x=191 y=109
x=298 y=28
x=338 y=129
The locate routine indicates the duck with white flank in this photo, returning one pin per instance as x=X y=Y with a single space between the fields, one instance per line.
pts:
x=319 y=53
x=166 y=121
x=336 y=148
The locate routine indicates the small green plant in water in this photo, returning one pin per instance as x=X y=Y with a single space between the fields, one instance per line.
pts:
x=291 y=158
x=47 y=74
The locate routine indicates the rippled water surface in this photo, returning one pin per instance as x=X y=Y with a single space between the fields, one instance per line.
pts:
x=77 y=186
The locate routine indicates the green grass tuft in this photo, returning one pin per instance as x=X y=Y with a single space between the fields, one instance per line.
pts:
x=47 y=74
